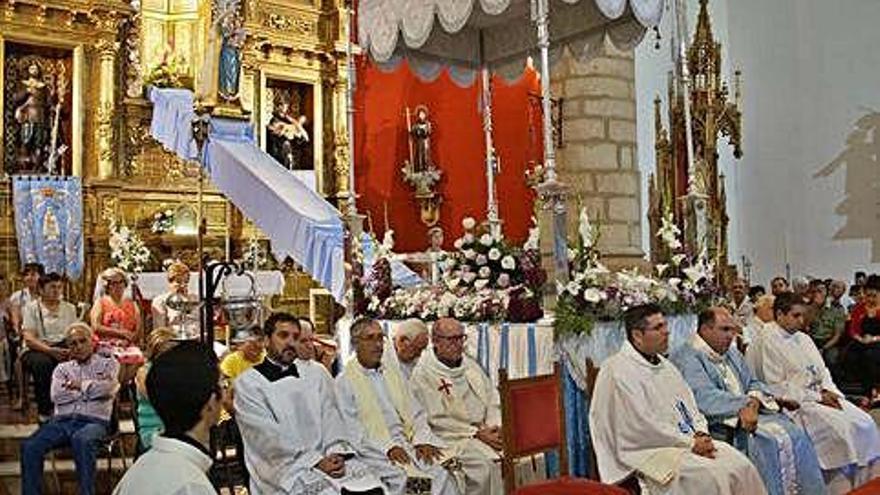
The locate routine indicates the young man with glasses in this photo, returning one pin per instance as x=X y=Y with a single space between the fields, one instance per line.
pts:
x=741 y=409
x=462 y=406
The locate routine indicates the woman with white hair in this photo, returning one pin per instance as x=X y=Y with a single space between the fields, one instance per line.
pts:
x=117 y=322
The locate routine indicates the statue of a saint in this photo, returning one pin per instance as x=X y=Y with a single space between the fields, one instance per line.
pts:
x=32 y=111
x=420 y=135
x=288 y=138
x=232 y=37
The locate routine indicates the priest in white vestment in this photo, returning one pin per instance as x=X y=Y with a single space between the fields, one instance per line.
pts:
x=295 y=440
x=741 y=410
x=462 y=405
x=645 y=422
x=410 y=341
x=755 y=330
x=845 y=437
x=377 y=405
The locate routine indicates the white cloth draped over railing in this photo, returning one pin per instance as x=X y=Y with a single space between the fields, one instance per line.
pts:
x=300 y=223
x=498 y=34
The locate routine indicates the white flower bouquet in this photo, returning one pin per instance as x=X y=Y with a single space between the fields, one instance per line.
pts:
x=127 y=249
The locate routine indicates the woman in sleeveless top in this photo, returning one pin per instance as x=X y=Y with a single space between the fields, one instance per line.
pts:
x=117 y=324
x=864 y=328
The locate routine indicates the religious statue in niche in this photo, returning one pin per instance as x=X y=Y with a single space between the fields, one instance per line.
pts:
x=37 y=111
x=230 y=23
x=419 y=170
x=288 y=131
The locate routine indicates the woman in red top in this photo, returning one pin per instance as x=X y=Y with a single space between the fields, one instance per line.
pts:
x=117 y=323
x=864 y=329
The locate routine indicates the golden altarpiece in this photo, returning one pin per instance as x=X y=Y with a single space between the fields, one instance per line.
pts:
x=674 y=188
x=103 y=50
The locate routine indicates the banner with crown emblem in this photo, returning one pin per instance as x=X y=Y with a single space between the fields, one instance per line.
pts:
x=49 y=222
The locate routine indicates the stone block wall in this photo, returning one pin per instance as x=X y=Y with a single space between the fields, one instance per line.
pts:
x=598 y=159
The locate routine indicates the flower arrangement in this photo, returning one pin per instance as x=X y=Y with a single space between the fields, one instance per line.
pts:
x=254 y=256
x=171 y=72
x=484 y=279
x=163 y=221
x=594 y=293
x=127 y=249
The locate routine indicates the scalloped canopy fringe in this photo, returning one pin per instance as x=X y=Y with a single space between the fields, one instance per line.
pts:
x=498 y=34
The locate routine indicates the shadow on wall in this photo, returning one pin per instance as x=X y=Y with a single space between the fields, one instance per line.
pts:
x=861 y=201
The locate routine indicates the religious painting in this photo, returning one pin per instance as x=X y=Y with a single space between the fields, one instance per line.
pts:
x=37 y=110
x=289 y=130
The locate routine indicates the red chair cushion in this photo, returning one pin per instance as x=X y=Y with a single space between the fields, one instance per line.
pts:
x=871 y=488
x=569 y=486
x=535 y=417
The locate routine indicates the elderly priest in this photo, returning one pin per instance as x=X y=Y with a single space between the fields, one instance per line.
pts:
x=644 y=421
x=845 y=437
x=295 y=441
x=741 y=409
x=462 y=406
x=379 y=409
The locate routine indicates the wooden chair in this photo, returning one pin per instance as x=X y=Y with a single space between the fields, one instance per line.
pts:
x=631 y=484
x=533 y=422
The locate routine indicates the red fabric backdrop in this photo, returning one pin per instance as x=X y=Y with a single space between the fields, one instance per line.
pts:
x=457 y=148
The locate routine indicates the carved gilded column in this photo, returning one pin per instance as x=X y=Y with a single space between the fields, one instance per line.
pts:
x=341 y=158
x=107 y=51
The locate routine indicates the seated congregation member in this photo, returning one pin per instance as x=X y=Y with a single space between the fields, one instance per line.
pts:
x=739 y=303
x=410 y=340
x=316 y=348
x=295 y=440
x=644 y=421
x=249 y=352
x=390 y=425
x=83 y=390
x=827 y=324
x=149 y=423
x=845 y=437
x=31 y=274
x=183 y=384
x=734 y=402
x=755 y=292
x=462 y=405
x=44 y=324
x=757 y=329
x=778 y=285
x=116 y=321
x=864 y=330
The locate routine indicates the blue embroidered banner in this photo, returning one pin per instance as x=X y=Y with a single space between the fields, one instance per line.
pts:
x=49 y=222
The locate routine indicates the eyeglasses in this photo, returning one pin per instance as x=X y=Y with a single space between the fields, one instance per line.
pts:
x=379 y=337
x=451 y=338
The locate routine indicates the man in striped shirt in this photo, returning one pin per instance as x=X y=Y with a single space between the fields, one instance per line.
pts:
x=82 y=390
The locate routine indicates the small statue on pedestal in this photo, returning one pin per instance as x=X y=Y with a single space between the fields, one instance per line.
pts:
x=419 y=171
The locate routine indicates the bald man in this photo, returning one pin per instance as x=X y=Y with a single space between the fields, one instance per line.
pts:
x=462 y=406
x=410 y=340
